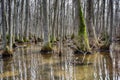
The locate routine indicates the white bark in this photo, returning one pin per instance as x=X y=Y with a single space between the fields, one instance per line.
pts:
x=45 y=22
x=3 y=25
x=10 y=27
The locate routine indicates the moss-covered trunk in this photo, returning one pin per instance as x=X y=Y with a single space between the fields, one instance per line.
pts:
x=82 y=33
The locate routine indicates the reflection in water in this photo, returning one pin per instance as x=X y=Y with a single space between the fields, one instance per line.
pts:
x=29 y=64
x=115 y=54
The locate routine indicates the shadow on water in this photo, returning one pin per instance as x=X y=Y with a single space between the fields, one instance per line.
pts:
x=29 y=64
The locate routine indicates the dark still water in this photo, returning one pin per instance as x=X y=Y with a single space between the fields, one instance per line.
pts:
x=29 y=64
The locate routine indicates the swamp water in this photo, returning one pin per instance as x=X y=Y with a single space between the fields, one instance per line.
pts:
x=29 y=64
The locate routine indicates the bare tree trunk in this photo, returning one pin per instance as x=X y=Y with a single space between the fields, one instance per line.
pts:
x=10 y=27
x=41 y=17
x=21 y=20
x=57 y=29
x=14 y=19
x=111 y=20
x=46 y=45
x=117 y=19
x=90 y=25
x=63 y=20
x=26 y=20
x=73 y=4
x=54 y=21
x=17 y=20
x=45 y=22
x=3 y=25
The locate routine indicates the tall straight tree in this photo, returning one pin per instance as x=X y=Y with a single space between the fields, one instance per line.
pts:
x=26 y=20
x=46 y=45
x=111 y=20
x=21 y=19
x=7 y=51
x=10 y=27
x=16 y=28
x=3 y=26
x=89 y=20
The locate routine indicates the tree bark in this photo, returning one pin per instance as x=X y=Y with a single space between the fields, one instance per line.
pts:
x=3 y=25
x=10 y=27
x=82 y=33
x=45 y=22
x=90 y=25
x=26 y=20
x=54 y=21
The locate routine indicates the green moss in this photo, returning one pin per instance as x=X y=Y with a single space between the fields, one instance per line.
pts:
x=47 y=48
x=25 y=39
x=82 y=33
x=52 y=39
x=72 y=36
x=8 y=38
x=19 y=40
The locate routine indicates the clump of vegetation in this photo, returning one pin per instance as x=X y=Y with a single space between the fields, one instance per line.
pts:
x=19 y=41
x=25 y=39
x=7 y=52
x=46 y=48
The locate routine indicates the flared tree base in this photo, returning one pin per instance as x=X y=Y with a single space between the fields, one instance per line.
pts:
x=46 y=48
x=7 y=53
